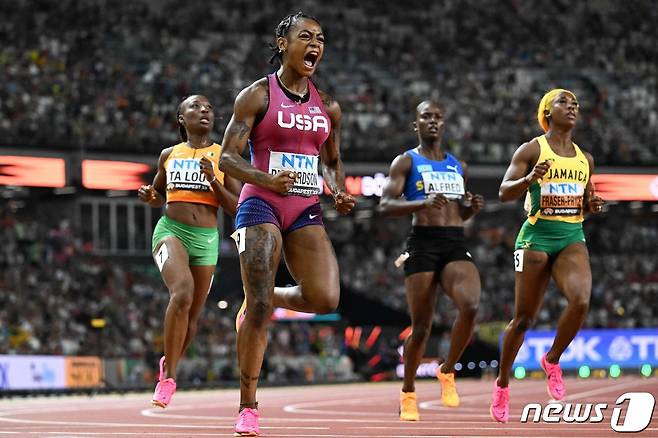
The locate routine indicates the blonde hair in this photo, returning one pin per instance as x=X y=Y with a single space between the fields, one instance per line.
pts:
x=545 y=104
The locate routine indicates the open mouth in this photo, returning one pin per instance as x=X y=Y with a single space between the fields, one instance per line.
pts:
x=310 y=59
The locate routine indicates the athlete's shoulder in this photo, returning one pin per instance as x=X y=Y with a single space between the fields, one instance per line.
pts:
x=529 y=149
x=166 y=152
x=252 y=100
x=254 y=93
x=411 y=153
x=262 y=84
x=331 y=105
x=402 y=163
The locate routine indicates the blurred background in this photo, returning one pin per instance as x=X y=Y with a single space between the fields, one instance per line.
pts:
x=88 y=98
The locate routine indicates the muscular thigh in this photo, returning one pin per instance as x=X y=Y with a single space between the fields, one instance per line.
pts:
x=461 y=282
x=259 y=247
x=172 y=260
x=421 y=295
x=531 y=279
x=572 y=273
x=311 y=260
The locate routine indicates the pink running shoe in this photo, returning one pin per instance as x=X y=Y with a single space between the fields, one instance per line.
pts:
x=239 y=318
x=554 y=383
x=162 y=368
x=499 y=409
x=247 y=423
x=164 y=390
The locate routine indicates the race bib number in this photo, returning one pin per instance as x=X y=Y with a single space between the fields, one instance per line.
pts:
x=185 y=174
x=161 y=256
x=305 y=166
x=448 y=184
x=240 y=237
x=561 y=199
x=518 y=260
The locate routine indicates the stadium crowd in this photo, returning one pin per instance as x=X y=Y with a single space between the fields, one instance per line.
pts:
x=108 y=76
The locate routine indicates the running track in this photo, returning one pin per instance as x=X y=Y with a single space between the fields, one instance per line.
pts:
x=354 y=410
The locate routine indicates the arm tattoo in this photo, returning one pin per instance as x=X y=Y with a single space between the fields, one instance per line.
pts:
x=243 y=129
x=239 y=128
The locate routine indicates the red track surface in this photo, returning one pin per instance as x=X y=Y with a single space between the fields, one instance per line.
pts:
x=357 y=410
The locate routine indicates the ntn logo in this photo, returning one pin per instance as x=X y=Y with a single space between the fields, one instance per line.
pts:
x=184 y=164
x=298 y=161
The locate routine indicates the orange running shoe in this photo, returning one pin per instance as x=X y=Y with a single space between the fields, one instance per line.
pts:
x=449 y=396
x=408 y=408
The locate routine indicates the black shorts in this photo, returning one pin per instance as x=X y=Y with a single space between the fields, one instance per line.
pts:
x=432 y=248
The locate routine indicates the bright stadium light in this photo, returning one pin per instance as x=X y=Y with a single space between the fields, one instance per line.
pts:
x=615 y=371
x=584 y=372
x=519 y=373
x=646 y=370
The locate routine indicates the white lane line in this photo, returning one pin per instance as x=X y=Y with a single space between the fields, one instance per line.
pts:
x=603 y=390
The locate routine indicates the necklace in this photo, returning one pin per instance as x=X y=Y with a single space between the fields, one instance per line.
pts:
x=290 y=91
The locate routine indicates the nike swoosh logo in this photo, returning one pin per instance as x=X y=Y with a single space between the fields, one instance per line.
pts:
x=313 y=216
x=212 y=240
x=287 y=106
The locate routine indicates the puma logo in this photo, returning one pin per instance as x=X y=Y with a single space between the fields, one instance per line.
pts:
x=454 y=168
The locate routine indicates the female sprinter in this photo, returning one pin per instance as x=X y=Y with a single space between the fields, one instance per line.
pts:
x=556 y=174
x=289 y=124
x=185 y=241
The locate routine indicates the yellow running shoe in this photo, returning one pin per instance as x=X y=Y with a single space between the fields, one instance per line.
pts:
x=449 y=396
x=408 y=408
x=239 y=318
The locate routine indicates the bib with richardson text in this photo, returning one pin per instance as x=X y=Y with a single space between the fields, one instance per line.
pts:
x=305 y=167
